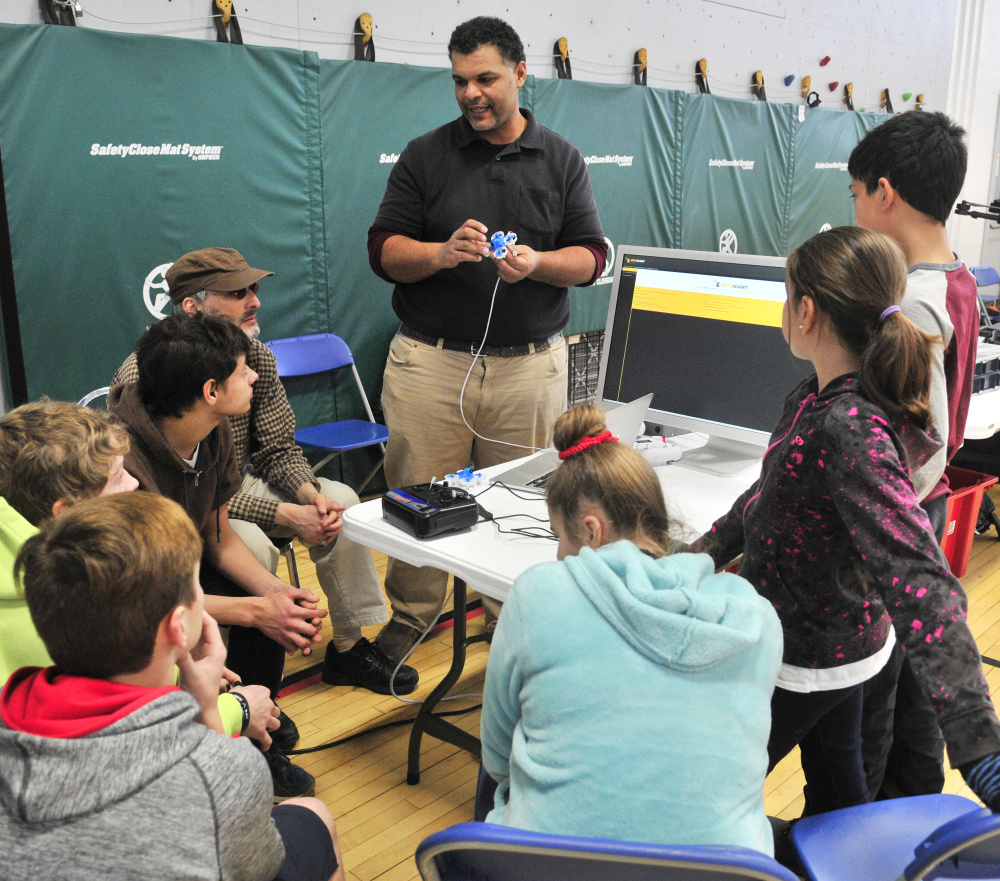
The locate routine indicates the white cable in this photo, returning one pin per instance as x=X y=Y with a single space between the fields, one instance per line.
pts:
x=430 y=627
x=461 y=395
x=427 y=630
x=439 y=47
x=413 y=648
x=200 y=19
x=736 y=87
x=461 y=410
x=657 y=74
x=204 y=19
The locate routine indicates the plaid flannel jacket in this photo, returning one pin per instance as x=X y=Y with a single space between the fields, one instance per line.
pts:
x=264 y=436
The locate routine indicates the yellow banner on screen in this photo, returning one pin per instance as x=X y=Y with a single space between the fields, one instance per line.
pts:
x=721 y=307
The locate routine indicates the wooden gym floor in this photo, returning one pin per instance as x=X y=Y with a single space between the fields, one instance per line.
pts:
x=381 y=819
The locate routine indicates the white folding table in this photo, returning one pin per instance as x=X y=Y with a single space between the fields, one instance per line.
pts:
x=489 y=561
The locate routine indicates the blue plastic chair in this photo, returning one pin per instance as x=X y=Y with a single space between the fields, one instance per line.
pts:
x=988 y=284
x=489 y=852
x=924 y=837
x=321 y=353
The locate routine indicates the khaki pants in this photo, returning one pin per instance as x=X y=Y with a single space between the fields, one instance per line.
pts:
x=346 y=571
x=507 y=399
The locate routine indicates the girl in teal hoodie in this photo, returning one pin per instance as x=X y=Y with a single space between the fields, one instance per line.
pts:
x=628 y=690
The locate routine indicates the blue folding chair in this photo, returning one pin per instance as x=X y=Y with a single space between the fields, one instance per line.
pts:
x=988 y=285
x=909 y=839
x=489 y=852
x=321 y=353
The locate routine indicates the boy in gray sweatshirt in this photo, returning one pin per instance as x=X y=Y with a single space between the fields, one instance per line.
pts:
x=107 y=768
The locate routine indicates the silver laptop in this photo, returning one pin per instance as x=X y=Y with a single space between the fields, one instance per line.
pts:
x=624 y=422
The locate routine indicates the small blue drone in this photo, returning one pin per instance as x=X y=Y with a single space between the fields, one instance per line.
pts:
x=500 y=244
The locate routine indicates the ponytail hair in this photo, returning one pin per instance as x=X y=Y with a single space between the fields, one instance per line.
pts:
x=610 y=475
x=853 y=276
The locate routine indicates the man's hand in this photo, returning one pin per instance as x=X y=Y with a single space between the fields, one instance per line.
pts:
x=410 y=260
x=201 y=671
x=330 y=513
x=327 y=506
x=315 y=523
x=290 y=617
x=519 y=263
x=263 y=713
x=229 y=679
x=467 y=244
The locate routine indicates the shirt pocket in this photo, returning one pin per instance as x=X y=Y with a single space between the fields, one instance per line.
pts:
x=540 y=211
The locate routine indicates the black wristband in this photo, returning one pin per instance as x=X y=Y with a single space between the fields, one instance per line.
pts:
x=245 y=708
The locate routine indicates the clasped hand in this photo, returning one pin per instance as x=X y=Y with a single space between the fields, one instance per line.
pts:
x=292 y=617
x=317 y=522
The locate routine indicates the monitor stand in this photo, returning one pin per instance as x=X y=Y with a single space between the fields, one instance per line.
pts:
x=722 y=457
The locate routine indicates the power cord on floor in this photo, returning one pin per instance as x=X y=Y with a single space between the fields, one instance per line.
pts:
x=367 y=731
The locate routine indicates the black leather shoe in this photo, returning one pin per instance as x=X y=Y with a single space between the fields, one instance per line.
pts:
x=286 y=735
x=290 y=781
x=366 y=666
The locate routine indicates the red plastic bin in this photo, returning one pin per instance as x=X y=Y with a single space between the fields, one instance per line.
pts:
x=967 y=488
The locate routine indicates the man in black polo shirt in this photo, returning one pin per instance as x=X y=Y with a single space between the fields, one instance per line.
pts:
x=492 y=169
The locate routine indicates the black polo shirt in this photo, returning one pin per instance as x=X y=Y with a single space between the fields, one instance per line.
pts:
x=538 y=187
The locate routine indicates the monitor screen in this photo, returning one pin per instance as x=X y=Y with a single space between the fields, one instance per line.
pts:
x=702 y=332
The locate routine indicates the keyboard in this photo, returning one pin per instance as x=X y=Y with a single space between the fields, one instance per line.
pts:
x=540 y=481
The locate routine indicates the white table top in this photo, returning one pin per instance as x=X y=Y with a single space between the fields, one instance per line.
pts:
x=489 y=561
x=984 y=408
x=984 y=415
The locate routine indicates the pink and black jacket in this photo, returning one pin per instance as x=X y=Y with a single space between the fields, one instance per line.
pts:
x=832 y=534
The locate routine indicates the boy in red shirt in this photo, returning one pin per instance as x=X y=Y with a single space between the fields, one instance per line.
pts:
x=108 y=769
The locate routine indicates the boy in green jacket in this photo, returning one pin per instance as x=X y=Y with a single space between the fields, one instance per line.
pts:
x=52 y=455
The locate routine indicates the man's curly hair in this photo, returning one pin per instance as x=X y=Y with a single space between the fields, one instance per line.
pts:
x=487 y=31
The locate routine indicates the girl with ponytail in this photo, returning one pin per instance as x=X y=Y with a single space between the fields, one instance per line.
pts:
x=832 y=534
x=627 y=691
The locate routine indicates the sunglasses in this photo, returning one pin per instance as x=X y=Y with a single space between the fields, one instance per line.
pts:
x=238 y=295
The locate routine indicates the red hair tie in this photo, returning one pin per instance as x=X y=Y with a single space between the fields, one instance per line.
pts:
x=586 y=442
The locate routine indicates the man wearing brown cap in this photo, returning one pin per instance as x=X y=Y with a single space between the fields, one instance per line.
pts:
x=280 y=495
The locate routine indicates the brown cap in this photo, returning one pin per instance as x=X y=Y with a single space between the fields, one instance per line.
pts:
x=210 y=269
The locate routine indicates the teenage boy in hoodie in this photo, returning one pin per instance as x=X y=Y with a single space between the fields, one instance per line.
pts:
x=107 y=768
x=192 y=376
x=281 y=497
x=906 y=175
x=52 y=455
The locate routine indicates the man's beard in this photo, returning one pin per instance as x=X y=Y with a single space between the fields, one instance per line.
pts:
x=254 y=331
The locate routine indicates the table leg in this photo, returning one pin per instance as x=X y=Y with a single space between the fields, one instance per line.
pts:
x=425 y=720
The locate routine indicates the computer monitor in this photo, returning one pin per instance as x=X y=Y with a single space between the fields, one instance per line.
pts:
x=702 y=332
